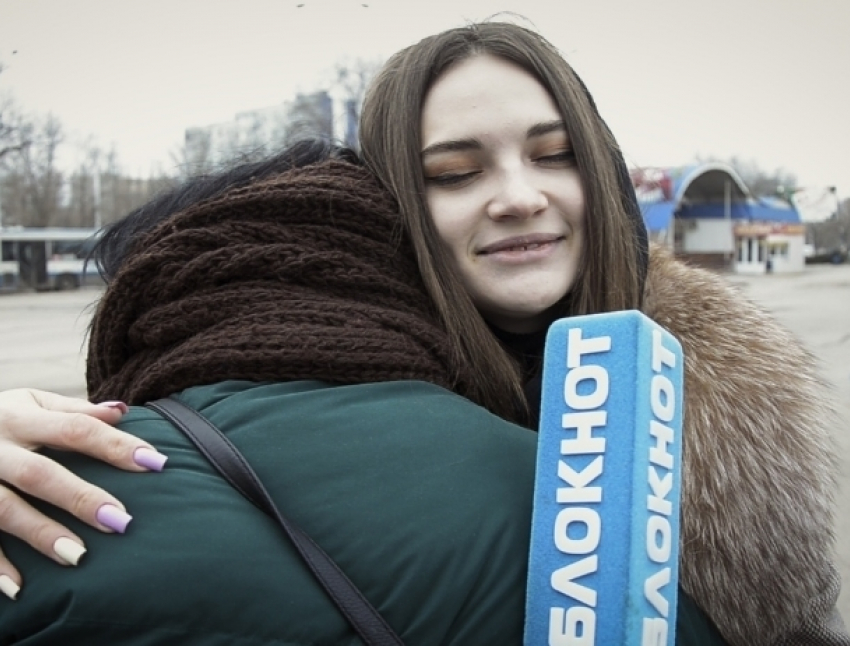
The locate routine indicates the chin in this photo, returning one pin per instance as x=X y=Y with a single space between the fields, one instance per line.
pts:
x=522 y=303
x=523 y=317
x=535 y=305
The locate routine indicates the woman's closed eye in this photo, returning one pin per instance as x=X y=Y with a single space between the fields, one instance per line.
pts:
x=451 y=178
x=563 y=158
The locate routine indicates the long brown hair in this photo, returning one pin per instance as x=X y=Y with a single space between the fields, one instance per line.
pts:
x=611 y=274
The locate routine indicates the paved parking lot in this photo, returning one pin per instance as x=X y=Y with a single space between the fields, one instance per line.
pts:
x=42 y=345
x=42 y=340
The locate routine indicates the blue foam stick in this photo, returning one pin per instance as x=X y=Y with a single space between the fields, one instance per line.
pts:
x=603 y=564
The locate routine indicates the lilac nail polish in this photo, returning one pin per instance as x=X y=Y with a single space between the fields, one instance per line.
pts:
x=150 y=459
x=119 y=405
x=114 y=518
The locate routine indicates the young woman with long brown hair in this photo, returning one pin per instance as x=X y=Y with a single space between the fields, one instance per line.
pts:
x=519 y=207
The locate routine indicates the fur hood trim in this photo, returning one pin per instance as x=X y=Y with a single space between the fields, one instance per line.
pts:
x=758 y=465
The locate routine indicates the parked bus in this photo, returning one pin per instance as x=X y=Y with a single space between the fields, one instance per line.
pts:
x=44 y=259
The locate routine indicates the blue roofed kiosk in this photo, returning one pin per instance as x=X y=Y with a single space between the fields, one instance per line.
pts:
x=710 y=218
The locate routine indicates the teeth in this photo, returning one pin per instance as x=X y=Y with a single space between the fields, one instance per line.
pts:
x=521 y=247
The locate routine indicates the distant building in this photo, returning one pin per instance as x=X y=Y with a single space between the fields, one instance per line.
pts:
x=708 y=216
x=257 y=132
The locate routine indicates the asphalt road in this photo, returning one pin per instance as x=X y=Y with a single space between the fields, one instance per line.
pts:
x=42 y=345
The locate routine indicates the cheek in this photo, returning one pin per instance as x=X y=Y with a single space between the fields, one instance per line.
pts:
x=573 y=199
x=580 y=217
x=450 y=220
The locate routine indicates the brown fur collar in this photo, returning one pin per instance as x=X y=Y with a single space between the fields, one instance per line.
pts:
x=758 y=466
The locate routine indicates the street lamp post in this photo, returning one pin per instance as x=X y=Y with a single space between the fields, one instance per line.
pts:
x=839 y=219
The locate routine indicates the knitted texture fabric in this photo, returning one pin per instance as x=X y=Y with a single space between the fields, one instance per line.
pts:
x=301 y=276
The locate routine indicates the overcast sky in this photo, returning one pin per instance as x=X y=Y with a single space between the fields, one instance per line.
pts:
x=765 y=80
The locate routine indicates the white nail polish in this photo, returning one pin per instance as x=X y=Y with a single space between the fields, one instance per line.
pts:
x=9 y=587
x=68 y=550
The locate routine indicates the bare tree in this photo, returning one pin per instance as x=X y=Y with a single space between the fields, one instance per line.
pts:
x=83 y=209
x=120 y=194
x=12 y=138
x=34 y=192
x=352 y=78
x=12 y=127
x=777 y=183
x=760 y=182
x=113 y=196
x=834 y=232
x=36 y=181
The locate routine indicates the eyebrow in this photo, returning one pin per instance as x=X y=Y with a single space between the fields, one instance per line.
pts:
x=540 y=129
x=452 y=146
x=462 y=145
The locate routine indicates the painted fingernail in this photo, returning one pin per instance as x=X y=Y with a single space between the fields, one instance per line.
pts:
x=119 y=405
x=150 y=459
x=68 y=550
x=9 y=587
x=114 y=518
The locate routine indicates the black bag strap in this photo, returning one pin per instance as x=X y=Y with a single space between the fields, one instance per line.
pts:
x=230 y=463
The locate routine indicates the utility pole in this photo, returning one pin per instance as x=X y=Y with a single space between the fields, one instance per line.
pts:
x=98 y=216
x=839 y=217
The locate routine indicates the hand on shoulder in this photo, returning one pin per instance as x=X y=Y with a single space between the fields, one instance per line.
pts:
x=31 y=419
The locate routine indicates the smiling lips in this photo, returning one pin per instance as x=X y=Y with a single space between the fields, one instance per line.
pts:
x=519 y=244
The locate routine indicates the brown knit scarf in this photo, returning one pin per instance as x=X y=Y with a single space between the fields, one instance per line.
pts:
x=302 y=276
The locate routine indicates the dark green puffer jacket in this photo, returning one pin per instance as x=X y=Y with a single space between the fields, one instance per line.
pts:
x=421 y=497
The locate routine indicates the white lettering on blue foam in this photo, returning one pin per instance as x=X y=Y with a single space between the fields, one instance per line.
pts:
x=654 y=632
x=584 y=442
x=575 y=627
x=592 y=528
x=578 y=491
x=659 y=531
x=578 y=526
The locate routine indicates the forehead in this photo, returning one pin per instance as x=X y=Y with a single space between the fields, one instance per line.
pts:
x=484 y=95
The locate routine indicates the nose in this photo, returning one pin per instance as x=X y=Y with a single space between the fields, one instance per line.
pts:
x=516 y=196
